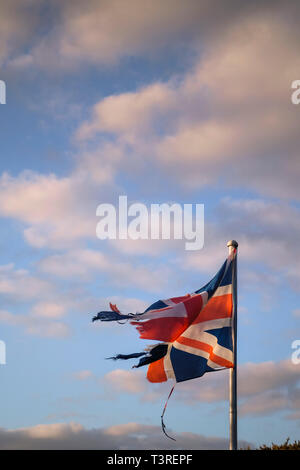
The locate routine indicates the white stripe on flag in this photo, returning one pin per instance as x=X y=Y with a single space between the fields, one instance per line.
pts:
x=223 y=290
x=213 y=365
x=194 y=330
x=177 y=311
x=168 y=364
x=208 y=339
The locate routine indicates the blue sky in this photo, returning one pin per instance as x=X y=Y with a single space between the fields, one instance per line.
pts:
x=162 y=102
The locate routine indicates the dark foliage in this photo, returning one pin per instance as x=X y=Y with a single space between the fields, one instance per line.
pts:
x=285 y=446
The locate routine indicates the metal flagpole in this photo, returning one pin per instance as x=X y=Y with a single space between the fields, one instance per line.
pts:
x=232 y=245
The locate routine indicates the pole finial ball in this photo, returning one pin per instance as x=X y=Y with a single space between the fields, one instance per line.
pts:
x=233 y=243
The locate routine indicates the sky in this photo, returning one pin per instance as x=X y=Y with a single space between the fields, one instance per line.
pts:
x=185 y=102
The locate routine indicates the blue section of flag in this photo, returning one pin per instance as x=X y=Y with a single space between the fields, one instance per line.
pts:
x=227 y=279
x=212 y=285
x=157 y=305
x=188 y=366
x=224 y=336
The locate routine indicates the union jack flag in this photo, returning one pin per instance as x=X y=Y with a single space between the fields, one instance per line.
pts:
x=195 y=330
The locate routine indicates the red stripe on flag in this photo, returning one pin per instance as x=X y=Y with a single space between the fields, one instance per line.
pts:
x=156 y=371
x=216 y=307
x=169 y=328
x=162 y=329
x=194 y=343
x=183 y=298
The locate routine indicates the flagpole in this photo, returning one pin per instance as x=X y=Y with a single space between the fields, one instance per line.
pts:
x=232 y=245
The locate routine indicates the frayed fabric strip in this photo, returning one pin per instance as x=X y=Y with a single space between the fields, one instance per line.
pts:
x=163 y=413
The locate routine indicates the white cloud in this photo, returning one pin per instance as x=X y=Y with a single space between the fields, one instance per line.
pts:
x=43 y=305
x=19 y=284
x=86 y=263
x=271 y=383
x=122 y=436
x=126 y=381
x=267 y=232
x=83 y=374
x=265 y=404
x=227 y=120
x=57 y=211
x=35 y=326
x=106 y=32
x=17 y=22
x=47 y=309
x=46 y=202
x=128 y=112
